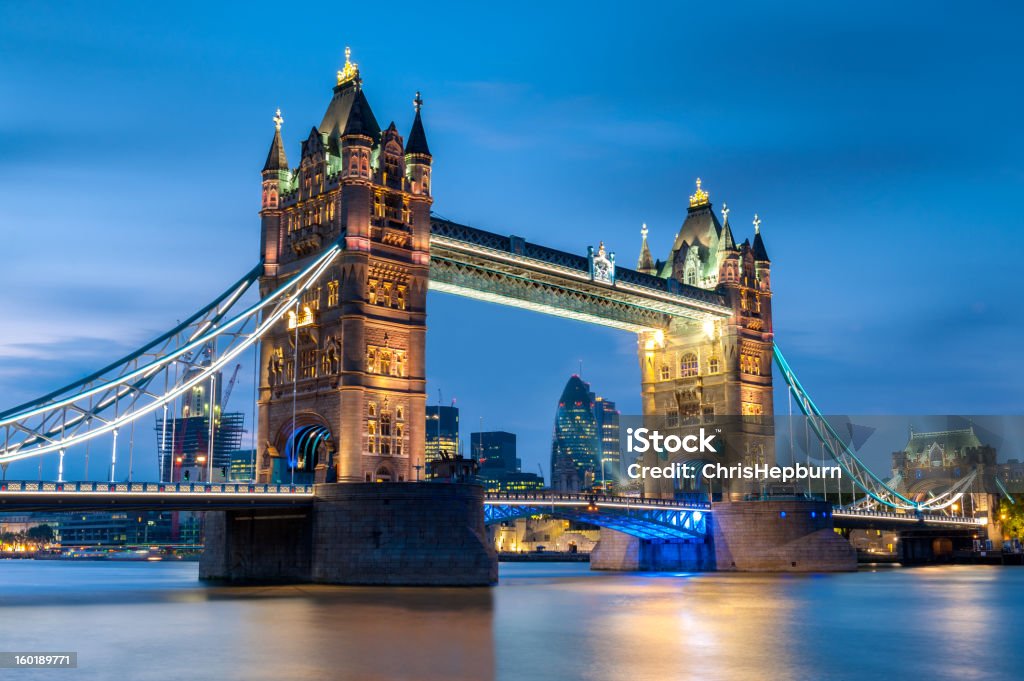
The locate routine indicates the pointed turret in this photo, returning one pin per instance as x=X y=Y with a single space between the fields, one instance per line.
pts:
x=276 y=181
x=276 y=159
x=357 y=138
x=760 y=254
x=726 y=242
x=645 y=263
x=417 y=154
x=417 y=138
x=361 y=121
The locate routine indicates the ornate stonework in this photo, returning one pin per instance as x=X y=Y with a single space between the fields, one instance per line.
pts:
x=715 y=375
x=351 y=358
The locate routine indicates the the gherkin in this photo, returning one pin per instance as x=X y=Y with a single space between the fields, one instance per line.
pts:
x=575 y=446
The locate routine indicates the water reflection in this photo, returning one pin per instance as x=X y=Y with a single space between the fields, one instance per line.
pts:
x=542 y=622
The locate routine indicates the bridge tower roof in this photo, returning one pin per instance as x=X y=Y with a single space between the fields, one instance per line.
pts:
x=417 y=137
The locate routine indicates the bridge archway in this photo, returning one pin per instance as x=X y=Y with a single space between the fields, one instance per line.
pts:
x=384 y=473
x=305 y=442
x=661 y=524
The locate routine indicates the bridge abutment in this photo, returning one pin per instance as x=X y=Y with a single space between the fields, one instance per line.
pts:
x=429 y=534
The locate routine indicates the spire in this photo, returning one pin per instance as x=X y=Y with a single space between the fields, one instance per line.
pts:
x=350 y=71
x=726 y=242
x=417 y=138
x=276 y=159
x=760 y=254
x=646 y=263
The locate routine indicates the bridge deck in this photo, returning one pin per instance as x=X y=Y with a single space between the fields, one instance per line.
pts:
x=155 y=496
x=22 y=496
x=512 y=271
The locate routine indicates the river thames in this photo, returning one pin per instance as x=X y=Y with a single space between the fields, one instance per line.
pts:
x=144 y=621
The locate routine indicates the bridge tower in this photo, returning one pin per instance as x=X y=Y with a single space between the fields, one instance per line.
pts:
x=342 y=387
x=713 y=374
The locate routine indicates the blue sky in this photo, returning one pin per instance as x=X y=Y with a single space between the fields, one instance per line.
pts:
x=880 y=144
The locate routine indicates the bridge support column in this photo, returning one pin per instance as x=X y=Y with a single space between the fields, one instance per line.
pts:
x=359 y=533
x=779 y=536
x=623 y=552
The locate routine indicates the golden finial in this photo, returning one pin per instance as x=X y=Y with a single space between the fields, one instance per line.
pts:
x=417 y=102
x=757 y=224
x=278 y=120
x=725 y=212
x=699 y=198
x=350 y=71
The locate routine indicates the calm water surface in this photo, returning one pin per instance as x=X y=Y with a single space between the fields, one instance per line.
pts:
x=143 y=621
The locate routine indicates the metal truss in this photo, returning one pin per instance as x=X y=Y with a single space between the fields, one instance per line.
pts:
x=852 y=466
x=866 y=503
x=510 y=271
x=153 y=376
x=635 y=517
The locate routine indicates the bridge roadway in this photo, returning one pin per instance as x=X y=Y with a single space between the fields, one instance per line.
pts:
x=653 y=518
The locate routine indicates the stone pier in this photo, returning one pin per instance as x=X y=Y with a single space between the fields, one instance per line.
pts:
x=357 y=533
x=779 y=536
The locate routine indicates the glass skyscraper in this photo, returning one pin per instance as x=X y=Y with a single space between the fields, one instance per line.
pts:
x=607 y=418
x=575 y=444
x=442 y=433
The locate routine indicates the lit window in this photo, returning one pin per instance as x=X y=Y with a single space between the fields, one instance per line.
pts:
x=689 y=366
x=750 y=364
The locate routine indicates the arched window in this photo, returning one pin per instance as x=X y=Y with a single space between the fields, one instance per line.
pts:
x=714 y=366
x=689 y=366
x=666 y=372
x=383 y=474
x=385 y=362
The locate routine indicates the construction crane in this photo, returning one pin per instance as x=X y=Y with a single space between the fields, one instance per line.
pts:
x=227 y=390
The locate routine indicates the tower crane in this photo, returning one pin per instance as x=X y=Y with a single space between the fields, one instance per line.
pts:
x=227 y=390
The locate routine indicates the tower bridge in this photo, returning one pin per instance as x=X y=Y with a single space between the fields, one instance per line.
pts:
x=348 y=250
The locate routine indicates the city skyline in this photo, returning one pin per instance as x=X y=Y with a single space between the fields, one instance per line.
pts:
x=797 y=162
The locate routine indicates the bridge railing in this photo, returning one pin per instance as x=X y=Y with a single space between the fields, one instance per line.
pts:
x=909 y=517
x=154 y=488
x=581 y=497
